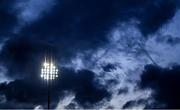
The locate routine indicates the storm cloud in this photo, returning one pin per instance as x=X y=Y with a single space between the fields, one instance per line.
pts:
x=83 y=84
x=104 y=34
x=8 y=20
x=73 y=27
x=164 y=83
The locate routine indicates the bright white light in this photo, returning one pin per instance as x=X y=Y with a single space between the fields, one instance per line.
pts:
x=49 y=71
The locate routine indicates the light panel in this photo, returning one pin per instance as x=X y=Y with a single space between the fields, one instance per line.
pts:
x=49 y=71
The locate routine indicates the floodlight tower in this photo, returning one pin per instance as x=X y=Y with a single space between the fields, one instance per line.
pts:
x=49 y=72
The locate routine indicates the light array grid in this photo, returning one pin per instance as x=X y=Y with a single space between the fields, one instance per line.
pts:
x=49 y=71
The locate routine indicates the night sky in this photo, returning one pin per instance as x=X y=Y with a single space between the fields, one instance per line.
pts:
x=111 y=54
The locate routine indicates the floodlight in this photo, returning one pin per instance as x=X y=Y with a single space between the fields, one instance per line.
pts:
x=49 y=71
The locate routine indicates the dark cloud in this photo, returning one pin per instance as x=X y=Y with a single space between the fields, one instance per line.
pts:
x=76 y=26
x=88 y=22
x=8 y=19
x=164 y=83
x=69 y=28
x=23 y=56
x=157 y=14
x=32 y=92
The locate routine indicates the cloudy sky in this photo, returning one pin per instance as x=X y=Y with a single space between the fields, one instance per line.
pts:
x=112 y=54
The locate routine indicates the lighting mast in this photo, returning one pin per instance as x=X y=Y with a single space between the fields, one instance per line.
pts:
x=49 y=72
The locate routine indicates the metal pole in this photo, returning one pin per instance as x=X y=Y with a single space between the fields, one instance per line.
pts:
x=48 y=95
